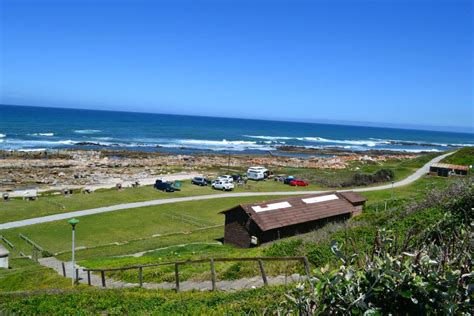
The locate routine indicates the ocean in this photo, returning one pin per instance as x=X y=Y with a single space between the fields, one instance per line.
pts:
x=34 y=129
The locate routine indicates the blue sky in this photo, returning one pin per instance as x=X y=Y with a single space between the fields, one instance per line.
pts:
x=400 y=62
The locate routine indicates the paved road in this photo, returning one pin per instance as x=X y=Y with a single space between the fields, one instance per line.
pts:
x=62 y=216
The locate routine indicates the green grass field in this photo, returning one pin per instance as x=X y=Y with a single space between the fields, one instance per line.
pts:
x=18 y=209
x=154 y=222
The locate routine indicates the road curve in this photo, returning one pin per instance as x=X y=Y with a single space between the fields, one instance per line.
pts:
x=62 y=216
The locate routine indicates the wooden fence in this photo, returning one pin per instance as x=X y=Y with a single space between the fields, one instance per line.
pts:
x=212 y=261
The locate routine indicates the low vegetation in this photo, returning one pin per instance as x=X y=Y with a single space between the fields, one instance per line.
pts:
x=463 y=156
x=427 y=270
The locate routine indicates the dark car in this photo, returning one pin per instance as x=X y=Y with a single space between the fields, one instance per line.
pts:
x=163 y=186
x=279 y=178
x=288 y=180
x=237 y=177
x=199 y=181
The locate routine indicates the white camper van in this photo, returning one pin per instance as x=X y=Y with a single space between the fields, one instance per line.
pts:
x=257 y=173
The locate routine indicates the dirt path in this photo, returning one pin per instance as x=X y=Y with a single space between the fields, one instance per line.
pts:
x=62 y=216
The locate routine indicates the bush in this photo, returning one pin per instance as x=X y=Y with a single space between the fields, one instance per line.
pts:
x=429 y=271
x=381 y=175
x=46 y=254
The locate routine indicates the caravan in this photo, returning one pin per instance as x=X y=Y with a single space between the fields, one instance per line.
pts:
x=257 y=173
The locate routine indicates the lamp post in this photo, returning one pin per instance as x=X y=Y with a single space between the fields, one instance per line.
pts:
x=73 y=223
x=391 y=195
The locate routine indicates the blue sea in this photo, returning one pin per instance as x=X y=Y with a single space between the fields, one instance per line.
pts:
x=34 y=129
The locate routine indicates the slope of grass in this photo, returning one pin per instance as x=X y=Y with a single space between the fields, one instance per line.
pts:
x=464 y=156
x=26 y=275
x=144 y=302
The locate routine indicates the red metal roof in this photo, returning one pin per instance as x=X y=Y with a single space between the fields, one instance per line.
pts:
x=294 y=210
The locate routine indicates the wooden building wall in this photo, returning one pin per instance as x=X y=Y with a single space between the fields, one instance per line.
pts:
x=239 y=228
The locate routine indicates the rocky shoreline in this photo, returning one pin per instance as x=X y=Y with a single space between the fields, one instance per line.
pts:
x=91 y=167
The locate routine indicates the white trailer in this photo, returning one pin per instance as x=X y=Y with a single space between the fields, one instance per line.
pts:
x=257 y=173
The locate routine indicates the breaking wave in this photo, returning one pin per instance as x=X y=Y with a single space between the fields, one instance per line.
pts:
x=3 y=135
x=349 y=143
x=42 y=134
x=87 y=131
x=17 y=144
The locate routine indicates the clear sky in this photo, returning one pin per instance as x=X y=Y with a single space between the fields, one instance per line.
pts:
x=401 y=62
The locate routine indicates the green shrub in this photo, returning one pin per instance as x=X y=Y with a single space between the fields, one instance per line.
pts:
x=428 y=271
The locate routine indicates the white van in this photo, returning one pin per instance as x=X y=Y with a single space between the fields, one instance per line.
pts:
x=257 y=173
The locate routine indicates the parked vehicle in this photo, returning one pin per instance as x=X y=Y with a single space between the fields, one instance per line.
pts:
x=279 y=178
x=226 y=178
x=163 y=186
x=199 y=181
x=299 y=183
x=288 y=180
x=237 y=177
x=223 y=185
x=257 y=173
x=177 y=185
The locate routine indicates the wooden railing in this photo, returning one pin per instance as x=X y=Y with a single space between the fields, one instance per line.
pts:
x=211 y=261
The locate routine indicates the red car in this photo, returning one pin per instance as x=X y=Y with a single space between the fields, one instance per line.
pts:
x=299 y=183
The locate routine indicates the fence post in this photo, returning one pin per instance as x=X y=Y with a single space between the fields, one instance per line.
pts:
x=308 y=272
x=88 y=277
x=102 y=276
x=140 y=276
x=213 y=275
x=306 y=267
x=64 y=268
x=176 y=275
x=77 y=276
x=262 y=271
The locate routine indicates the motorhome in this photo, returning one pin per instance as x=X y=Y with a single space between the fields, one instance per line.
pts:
x=257 y=173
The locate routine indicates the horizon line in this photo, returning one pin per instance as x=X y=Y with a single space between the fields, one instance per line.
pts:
x=402 y=126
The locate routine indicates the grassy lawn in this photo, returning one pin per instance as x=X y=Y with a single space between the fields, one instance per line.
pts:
x=26 y=275
x=18 y=209
x=129 y=225
x=145 y=302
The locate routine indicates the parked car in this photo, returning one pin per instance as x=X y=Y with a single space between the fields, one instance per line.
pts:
x=199 y=181
x=288 y=180
x=226 y=178
x=237 y=177
x=299 y=183
x=223 y=185
x=164 y=186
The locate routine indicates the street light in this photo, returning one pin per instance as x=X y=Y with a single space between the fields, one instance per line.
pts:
x=73 y=223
